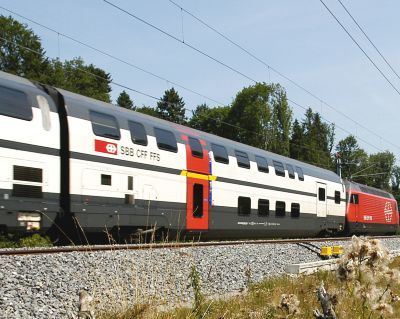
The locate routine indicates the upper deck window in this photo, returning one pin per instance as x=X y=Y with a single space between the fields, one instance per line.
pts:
x=220 y=154
x=242 y=159
x=166 y=140
x=262 y=164
x=105 y=125
x=138 y=133
x=290 y=170
x=195 y=146
x=279 y=169
x=14 y=103
x=300 y=173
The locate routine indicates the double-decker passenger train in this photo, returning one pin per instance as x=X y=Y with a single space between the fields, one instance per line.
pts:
x=68 y=161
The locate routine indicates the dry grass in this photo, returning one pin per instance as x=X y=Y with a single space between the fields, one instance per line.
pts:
x=368 y=290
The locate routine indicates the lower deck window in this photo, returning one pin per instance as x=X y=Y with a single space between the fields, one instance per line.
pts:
x=280 y=209
x=263 y=207
x=244 y=205
x=295 y=210
x=105 y=179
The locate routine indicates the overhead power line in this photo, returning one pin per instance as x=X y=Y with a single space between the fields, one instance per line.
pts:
x=222 y=63
x=169 y=103
x=113 y=57
x=359 y=46
x=270 y=68
x=368 y=38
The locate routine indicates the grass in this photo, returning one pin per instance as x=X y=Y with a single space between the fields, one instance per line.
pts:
x=31 y=241
x=368 y=289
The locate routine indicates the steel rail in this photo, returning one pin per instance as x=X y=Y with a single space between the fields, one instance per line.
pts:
x=171 y=245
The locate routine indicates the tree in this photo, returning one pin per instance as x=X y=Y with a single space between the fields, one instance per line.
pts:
x=395 y=178
x=211 y=120
x=251 y=114
x=125 y=101
x=281 y=122
x=172 y=107
x=21 y=52
x=148 y=110
x=318 y=140
x=296 y=141
x=352 y=157
x=83 y=79
x=380 y=169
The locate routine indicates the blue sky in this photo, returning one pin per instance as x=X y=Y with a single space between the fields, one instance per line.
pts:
x=298 y=38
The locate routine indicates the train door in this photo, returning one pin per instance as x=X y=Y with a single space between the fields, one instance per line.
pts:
x=321 y=200
x=197 y=204
x=356 y=210
x=198 y=185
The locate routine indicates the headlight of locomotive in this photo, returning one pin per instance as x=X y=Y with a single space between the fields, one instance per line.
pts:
x=31 y=221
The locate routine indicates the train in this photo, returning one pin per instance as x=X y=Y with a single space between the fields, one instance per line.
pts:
x=70 y=163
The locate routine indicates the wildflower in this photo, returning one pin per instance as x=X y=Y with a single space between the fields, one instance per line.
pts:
x=290 y=304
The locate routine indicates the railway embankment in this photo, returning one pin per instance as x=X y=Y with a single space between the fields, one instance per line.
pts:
x=48 y=285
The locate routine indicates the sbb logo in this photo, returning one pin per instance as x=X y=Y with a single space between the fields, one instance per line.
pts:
x=388 y=212
x=105 y=147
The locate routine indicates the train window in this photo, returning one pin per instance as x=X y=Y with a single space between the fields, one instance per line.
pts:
x=263 y=207
x=354 y=199
x=220 y=154
x=105 y=125
x=244 y=205
x=262 y=164
x=290 y=170
x=279 y=169
x=138 y=133
x=28 y=174
x=195 y=146
x=14 y=103
x=130 y=183
x=30 y=191
x=242 y=159
x=300 y=173
x=166 y=140
x=295 y=210
x=321 y=194
x=280 y=209
x=337 y=197
x=197 y=200
x=105 y=179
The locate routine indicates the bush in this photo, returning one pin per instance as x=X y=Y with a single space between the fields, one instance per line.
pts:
x=35 y=241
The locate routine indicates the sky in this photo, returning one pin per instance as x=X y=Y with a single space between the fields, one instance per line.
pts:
x=298 y=38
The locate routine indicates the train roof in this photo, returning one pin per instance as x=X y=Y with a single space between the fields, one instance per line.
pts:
x=350 y=185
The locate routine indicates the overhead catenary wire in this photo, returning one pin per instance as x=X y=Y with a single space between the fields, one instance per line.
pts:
x=218 y=61
x=270 y=68
x=159 y=99
x=369 y=39
x=359 y=46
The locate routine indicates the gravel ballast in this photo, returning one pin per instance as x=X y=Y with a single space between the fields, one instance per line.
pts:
x=47 y=286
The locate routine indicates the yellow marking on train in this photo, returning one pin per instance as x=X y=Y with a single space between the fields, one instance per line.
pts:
x=198 y=176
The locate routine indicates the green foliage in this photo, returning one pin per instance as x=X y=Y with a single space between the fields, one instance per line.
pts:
x=35 y=240
x=313 y=141
x=251 y=114
x=77 y=77
x=351 y=155
x=194 y=278
x=172 y=107
x=148 y=110
x=281 y=122
x=381 y=168
x=211 y=120
x=125 y=101
x=21 y=52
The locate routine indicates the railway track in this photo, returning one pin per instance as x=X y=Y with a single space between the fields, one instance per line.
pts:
x=171 y=245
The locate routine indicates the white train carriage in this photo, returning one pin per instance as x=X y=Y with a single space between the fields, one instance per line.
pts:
x=108 y=168
x=29 y=156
